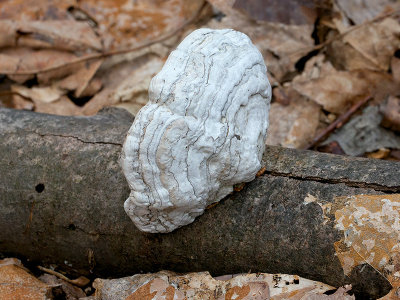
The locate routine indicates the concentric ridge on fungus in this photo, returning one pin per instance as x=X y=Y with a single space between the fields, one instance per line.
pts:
x=202 y=131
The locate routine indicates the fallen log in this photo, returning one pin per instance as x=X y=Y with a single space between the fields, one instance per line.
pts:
x=62 y=194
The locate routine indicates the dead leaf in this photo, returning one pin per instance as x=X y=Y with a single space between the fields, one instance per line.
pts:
x=340 y=294
x=202 y=286
x=63 y=106
x=332 y=147
x=70 y=291
x=119 y=87
x=92 y=88
x=337 y=90
x=391 y=113
x=123 y=26
x=293 y=125
x=281 y=45
x=79 y=80
x=371 y=234
x=64 y=35
x=280 y=11
x=359 y=11
x=26 y=61
x=46 y=94
x=19 y=102
x=132 y=93
x=31 y=10
x=395 y=68
x=344 y=57
x=376 y=41
x=380 y=154
x=16 y=283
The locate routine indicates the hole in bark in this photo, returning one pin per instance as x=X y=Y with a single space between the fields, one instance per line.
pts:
x=71 y=227
x=296 y=281
x=39 y=188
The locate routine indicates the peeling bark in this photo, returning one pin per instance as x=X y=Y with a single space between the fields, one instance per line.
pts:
x=62 y=193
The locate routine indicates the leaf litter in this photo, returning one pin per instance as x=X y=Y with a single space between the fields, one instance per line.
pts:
x=324 y=58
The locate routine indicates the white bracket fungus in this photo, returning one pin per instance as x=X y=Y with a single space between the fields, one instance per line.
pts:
x=202 y=131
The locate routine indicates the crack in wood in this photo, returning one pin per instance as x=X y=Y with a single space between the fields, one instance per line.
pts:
x=346 y=181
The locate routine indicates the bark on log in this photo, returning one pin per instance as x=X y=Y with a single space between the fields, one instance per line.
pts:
x=62 y=194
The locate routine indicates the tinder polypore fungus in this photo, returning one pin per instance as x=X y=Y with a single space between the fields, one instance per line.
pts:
x=202 y=131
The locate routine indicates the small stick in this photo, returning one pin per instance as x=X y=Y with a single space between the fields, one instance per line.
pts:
x=80 y=281
x=339 y=122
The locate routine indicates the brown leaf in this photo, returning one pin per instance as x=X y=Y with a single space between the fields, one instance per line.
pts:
x=17 y=283
x=124 y=25
x=337 y=90
x=132 y=93
x=281 y=11
x=67 y=35
x=344 y=57
x=79 y=80
x=120 y=25
x=376 y=41
x=125 y=85
x=19 y=102
x=202 y=286
x=70 y=291
x=26 y=61
x=340 y=294
x=64 y=106
x=360 y=11
x=333 y=147
x=35 y=9
x=395 y=67
x=92 y=88
x=370 y=226
x=293 y=125
x=391 y=113
x=46 y=94
x=380 y=154
x=281 y=45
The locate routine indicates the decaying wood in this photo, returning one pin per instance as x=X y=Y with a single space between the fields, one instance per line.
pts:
x=62 y=193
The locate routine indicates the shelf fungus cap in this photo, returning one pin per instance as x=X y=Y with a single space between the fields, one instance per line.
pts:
x=202 y=131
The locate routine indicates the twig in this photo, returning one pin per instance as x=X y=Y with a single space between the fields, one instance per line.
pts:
x=114 y=52
x=80 y=281
x=339 y=122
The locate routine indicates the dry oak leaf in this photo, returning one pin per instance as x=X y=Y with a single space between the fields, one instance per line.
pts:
x=371 y=234
x=46 y=94
x=293 y=125
x=280 y=11
x=132 y=93
x=336 y=90
x=376 y=42
x=17 y=284
x=281 y=45
x=391 y=113
x=123 y=25
x=359 y=11
x=202 y=286
x=26 y=62
x=69 y=35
